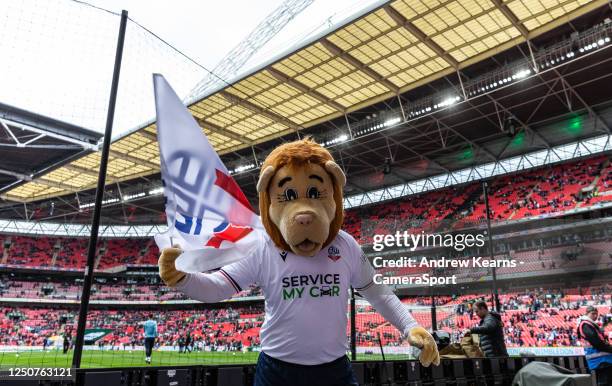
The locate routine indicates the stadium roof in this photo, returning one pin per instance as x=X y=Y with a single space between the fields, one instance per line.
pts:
x=32 y=144
x=386 y=51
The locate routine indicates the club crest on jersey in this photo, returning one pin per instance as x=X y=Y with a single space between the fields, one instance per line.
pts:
x=333 y=253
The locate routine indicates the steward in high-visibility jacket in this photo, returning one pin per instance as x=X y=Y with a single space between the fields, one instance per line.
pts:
x=597 y=350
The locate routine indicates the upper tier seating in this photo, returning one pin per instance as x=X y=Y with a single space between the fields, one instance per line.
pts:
x=545 y=191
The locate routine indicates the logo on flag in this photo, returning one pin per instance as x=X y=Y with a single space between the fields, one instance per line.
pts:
x=227 y=232
x=208 y=215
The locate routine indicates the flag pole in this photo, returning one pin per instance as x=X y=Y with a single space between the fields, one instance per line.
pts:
x=95 y=221
x=353 y=327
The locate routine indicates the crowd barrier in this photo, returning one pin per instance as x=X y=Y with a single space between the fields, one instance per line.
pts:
x=456 y=372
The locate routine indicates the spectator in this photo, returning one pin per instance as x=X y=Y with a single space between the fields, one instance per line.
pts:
x=490 y=329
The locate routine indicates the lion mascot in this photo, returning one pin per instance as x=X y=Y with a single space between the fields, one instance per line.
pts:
x=305 y=266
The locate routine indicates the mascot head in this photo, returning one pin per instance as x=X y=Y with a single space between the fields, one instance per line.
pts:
x=300 y=197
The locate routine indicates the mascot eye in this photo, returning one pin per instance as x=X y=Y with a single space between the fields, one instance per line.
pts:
x=313 y=192
x=290 y=194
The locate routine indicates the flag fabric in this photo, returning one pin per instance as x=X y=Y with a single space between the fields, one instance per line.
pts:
x=208 y=215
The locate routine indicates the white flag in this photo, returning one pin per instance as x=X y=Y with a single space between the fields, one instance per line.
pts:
x=208 y=215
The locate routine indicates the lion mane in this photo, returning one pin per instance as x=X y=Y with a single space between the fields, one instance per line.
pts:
x=294 y=155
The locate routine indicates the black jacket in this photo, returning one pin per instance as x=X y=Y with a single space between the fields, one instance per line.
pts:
x=491 y=332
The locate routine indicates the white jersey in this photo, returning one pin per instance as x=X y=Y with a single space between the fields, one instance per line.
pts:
x=306 y=298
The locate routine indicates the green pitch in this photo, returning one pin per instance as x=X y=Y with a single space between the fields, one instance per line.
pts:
x=127 y=358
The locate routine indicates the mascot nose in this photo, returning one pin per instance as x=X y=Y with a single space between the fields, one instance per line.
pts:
x=304 y=218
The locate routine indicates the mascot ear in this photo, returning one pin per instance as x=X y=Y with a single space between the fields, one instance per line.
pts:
x=264 y=178
x=333 y=169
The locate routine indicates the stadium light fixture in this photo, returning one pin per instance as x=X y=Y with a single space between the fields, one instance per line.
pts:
x=104 y=202
x=589 y=46
x=552 y=57
x=392 y=121
x=134 y=196
x=156 y=191
x=522 y=73
x=243 y=168
x=344 y=137
x=447 y=102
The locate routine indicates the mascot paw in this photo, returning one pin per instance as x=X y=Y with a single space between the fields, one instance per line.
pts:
x=167 y=271
x=420 y=338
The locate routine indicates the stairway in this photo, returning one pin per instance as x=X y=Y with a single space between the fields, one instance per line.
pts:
x=56 y=250
x=99 y=253
x=472 y=198
x=5 y=251
x=593 y=185
x=143 y=252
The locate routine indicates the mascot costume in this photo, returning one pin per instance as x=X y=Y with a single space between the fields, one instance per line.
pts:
x=305 y=266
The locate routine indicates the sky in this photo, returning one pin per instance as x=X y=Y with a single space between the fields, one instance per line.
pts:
x=205 y=30
x=60 y=52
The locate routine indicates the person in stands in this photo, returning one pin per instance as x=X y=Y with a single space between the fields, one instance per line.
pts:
x=597 y=350
x=491 y=331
